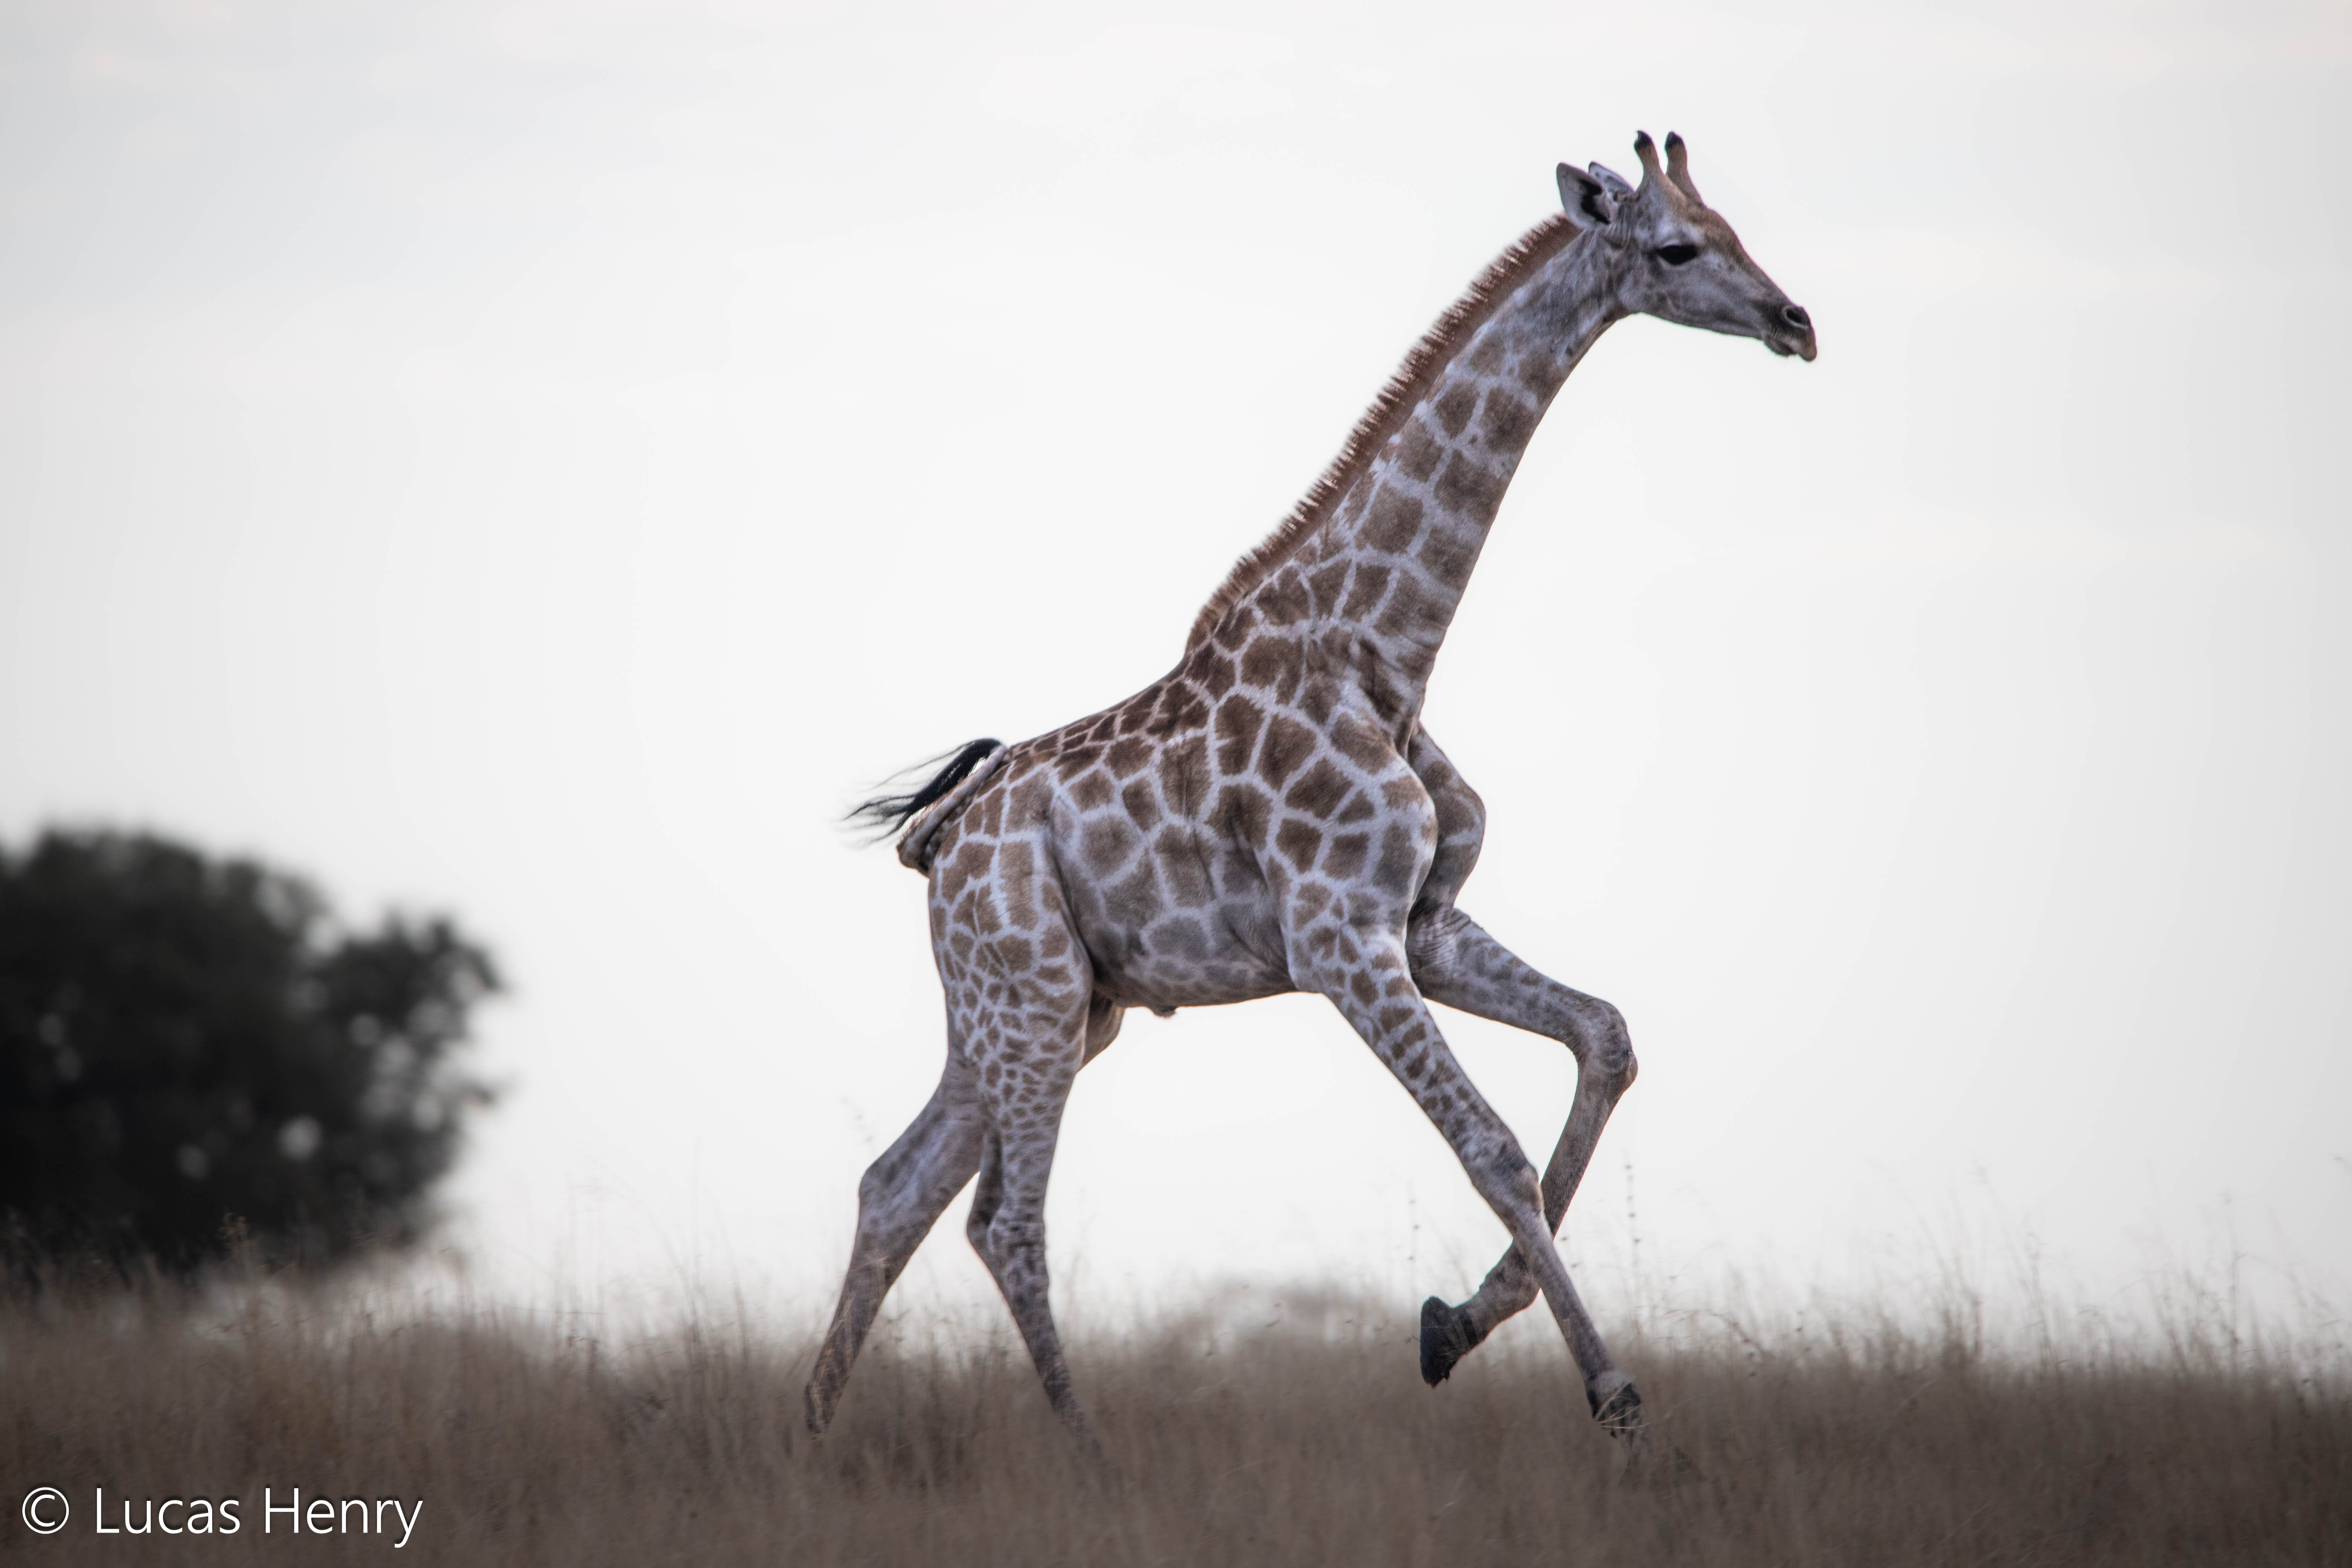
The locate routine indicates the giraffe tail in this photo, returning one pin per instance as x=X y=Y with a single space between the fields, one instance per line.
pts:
x=922 y=812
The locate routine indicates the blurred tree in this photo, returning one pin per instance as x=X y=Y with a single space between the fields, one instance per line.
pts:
x=191 y=1049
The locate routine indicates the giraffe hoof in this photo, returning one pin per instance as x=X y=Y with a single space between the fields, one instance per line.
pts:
x=1619 y=1412
x=1446 y=1337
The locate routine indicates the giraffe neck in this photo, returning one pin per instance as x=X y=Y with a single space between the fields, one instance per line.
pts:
x=1378 y=579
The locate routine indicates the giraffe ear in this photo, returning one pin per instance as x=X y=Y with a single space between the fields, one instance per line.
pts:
x=1619 y=187
x=1584 y=199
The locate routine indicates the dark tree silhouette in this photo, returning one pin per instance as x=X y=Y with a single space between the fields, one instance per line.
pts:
x=191 y=1050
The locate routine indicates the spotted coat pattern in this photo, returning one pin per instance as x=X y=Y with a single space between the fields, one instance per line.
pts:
x=1271 y=815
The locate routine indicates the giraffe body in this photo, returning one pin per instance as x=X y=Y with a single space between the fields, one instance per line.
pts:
x=1271 y=815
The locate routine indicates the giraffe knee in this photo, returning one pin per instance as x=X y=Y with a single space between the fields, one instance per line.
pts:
x=881 y=1204
x=874 y=1187
x=1603 y=1044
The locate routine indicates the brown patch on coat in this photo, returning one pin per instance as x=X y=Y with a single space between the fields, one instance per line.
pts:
x=1128 y=755
x=1238 y=720
x=1184 y=772
x=1454 y=408
x=1288 y=743
x=1367 y=748
x=1344 y=860
x=1210 y=670
x=1181 y=708
x=1450 y=552
x=1107 y=843
x=1282 y=600
x=1134 y=902
x=1028 y=801
x=1093 y=791
x=1299 y=842
x=1466 y=485
x=1181 y=935
x=1272 y=664
x=1269 y=659
x=1399 y=860
x=1240 y=811
x=1507 y=420
x=1412 y=609
x=1319 y=789
x=1325 y=584
x=1178 y=855
x=1404 y=793
x=1418 y=451
x=1142 y=804
x=971 y=863
x=1393 y=522
x=1364 y=595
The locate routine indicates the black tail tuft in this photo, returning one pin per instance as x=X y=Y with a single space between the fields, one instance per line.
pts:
x=885 y=813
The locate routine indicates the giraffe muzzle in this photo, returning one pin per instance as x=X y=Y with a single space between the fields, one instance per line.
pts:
x=1790 y=330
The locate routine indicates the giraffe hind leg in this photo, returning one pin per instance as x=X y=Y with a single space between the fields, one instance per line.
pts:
x=899 y=1201
x=1022 y=1111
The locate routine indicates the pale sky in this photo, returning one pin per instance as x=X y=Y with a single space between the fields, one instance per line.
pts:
x=542 y=462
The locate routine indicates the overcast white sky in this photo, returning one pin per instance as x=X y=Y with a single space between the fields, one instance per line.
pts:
x=541 y=461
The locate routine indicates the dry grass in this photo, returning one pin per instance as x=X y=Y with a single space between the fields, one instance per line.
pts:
x=1310 y=1440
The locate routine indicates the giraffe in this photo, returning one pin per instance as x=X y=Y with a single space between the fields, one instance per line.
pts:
x=1271 y=815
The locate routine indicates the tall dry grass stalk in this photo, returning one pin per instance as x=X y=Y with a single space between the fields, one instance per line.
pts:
x=1241 y=1435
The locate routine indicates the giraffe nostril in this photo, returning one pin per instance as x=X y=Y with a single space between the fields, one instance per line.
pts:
x=1795 y=316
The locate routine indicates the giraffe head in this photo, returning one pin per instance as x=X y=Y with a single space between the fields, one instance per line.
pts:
x=1678 y=259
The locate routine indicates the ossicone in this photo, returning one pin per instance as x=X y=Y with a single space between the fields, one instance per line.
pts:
x=1678 y=167
x=1647 y=152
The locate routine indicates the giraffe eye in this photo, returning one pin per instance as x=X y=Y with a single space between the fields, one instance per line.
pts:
x=1676 y=255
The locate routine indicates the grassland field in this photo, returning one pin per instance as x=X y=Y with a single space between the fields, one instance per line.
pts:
x=1242 y=1432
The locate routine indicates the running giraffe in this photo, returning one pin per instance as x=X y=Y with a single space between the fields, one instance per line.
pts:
x=1271 y=816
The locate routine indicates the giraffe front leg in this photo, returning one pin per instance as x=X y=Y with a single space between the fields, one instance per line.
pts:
x=1388 y=1010
x=899 y=1200
x=1456 y=963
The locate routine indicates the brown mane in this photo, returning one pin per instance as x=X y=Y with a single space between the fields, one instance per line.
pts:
x=1404 y=390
